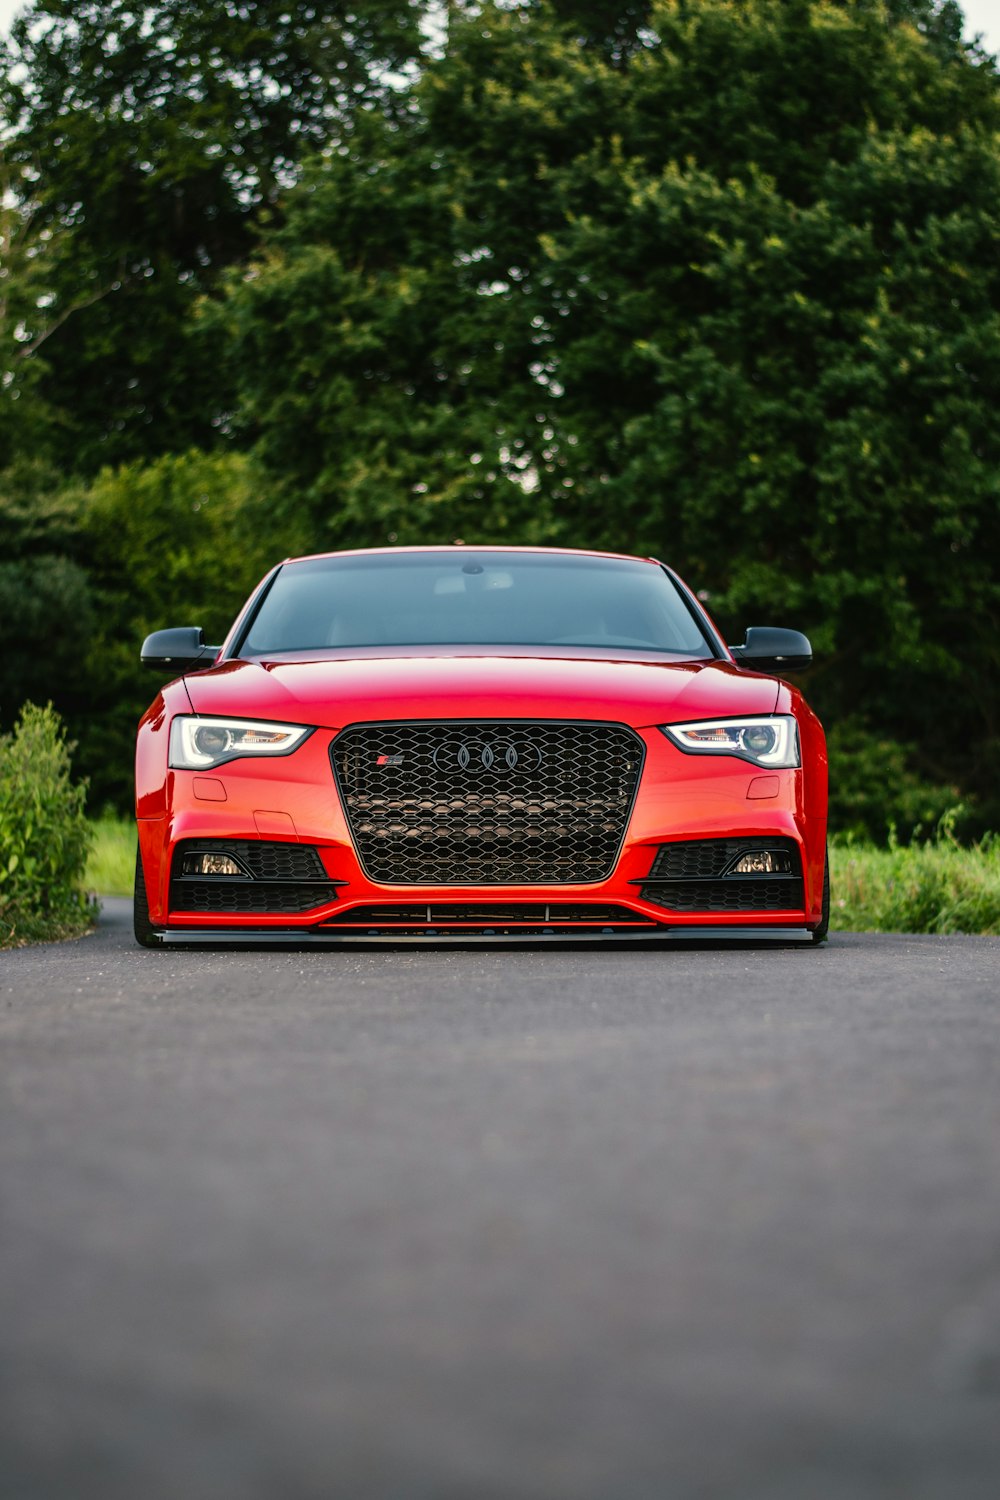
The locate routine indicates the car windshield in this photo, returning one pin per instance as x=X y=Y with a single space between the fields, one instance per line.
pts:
x=474 y=597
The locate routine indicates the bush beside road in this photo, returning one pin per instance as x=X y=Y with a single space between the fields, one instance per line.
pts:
x=44 y=835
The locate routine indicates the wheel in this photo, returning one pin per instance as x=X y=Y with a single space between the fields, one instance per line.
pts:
x=819 y=935
x=145 y=935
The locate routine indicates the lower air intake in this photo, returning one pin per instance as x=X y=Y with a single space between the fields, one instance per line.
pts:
x=275 y=879
x=734 y=895
x=704 y=875
x=708 y=859
x=257 y=897
x=258 y=858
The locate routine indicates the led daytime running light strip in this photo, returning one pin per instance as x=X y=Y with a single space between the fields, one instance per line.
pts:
x=771 y=740
x=199 y=744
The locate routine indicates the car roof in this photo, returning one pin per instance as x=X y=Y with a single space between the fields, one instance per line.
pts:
x=474 y=547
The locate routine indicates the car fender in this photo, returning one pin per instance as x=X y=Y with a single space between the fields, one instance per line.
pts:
x=813 y=791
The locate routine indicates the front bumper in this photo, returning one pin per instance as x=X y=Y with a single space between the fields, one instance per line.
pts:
x=680 y=798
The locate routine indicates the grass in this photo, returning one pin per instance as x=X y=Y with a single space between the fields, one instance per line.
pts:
x=48 y=929
x=935 y=886
x=111 y=866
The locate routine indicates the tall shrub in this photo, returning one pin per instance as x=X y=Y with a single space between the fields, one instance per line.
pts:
x=44 y=836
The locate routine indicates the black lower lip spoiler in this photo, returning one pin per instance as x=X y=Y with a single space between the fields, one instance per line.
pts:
x=292 y=938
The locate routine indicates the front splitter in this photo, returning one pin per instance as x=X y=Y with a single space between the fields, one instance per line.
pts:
x=296 y=938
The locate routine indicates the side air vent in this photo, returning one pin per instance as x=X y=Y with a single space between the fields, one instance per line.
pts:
x=756 y=874
x=261 y=878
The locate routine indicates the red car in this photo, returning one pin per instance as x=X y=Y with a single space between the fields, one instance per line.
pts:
x=478 y=743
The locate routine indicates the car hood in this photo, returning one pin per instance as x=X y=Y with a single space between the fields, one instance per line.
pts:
x=337 y=689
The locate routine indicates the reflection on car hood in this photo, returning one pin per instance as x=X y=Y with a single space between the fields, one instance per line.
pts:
x=334 y=689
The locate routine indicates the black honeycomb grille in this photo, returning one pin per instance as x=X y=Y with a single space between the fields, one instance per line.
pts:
x=752 y=893
x=281 y=879
x=262 y=860
x=708 y=859
x=694 y=876
x=258 y=897
x=487 y=803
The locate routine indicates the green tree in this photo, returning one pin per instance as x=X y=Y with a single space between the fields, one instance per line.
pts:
x=180 y=541
x=46 y=607
x=141 y=145
x=734 y=298
x=24 y=416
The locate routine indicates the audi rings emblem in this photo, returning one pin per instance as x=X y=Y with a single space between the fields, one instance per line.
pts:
x=510 y=755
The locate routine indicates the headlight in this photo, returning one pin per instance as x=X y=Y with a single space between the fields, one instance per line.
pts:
x=771 y=741
x=197 y=744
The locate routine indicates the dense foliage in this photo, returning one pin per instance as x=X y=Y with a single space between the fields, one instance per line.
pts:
x=711 y=279
x=144 y=143
x=44 y=836
x=193 y=530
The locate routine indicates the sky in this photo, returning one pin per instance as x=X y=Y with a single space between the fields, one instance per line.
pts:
x=981 y=16
x=984 y=16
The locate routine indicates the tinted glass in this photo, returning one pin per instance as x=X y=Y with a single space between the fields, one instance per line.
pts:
x=474 y=597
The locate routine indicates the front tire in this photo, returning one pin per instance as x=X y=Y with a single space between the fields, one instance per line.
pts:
x=820 y=932
x=145 y=934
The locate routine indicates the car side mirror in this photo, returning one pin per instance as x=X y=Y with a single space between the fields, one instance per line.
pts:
x=177 y=650
x=768 y=649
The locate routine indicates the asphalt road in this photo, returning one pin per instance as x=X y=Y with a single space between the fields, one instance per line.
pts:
x=480 y=1225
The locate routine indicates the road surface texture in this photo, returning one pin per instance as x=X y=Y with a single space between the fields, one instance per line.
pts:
x=535 y=1224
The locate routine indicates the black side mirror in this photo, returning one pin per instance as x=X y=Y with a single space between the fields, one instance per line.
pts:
x=177 y=650
x=768 y=649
